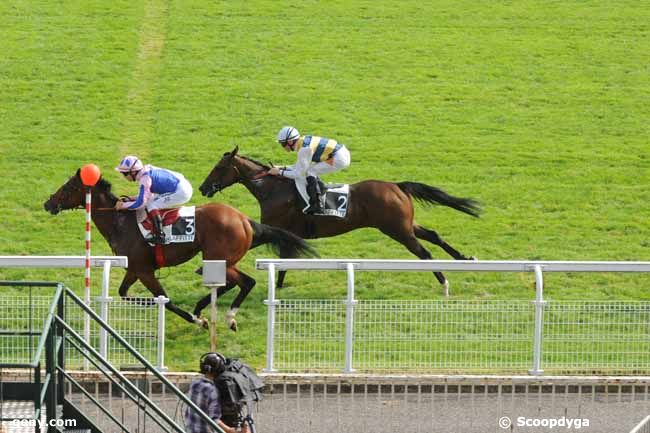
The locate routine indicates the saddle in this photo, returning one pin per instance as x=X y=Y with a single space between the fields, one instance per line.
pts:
x=178 y=224
x=334 y=197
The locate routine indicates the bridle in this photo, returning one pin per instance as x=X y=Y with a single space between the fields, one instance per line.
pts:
x=239 y=177
x=66 y=192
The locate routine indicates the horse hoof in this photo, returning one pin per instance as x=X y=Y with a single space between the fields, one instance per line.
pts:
x=472 y=258
x=233 y=326
x=200 y=322
x=445 y=288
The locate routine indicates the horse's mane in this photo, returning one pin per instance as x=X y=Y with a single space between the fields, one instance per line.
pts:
x=105 y=186
x=264 y=166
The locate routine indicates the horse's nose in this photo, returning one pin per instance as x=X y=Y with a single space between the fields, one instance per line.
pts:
x=50 y=207
x=207 y=190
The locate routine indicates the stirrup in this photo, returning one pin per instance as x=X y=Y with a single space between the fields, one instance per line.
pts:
x=313 y=209
x=157 y=239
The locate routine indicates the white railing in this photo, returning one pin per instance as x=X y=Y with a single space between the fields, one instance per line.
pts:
x=381 y=404
x=107 y=307
x=520 y=330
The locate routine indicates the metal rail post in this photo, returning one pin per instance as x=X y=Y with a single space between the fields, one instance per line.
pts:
x=104 y=300
x=213 y=318
x=350 y=302
x=271 y=303
x=160 y=301
x=539 y=317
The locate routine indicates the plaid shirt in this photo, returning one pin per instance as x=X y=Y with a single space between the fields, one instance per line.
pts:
x=205 y=395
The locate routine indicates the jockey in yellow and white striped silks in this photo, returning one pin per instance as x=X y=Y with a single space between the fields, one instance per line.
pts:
x=316 y=156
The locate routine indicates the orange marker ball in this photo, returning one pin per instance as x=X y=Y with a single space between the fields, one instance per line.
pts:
x=90 y=174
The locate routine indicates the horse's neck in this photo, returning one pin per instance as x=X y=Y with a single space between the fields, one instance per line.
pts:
x=102 y=215
x=258 y=188
x=265 y=188
x=268 y=188
x=247 y=174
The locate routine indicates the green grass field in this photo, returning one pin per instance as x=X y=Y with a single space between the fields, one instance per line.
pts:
x=537 y=109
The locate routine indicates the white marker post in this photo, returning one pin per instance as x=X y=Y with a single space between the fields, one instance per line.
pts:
x=214 y=276
x=89 y=175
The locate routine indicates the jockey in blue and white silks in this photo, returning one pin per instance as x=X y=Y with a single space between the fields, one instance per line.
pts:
x=159 y=188
x=316 y=156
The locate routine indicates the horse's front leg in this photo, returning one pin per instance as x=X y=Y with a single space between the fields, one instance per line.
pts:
x=280 y=282
x=284 y=254
x=150 y=282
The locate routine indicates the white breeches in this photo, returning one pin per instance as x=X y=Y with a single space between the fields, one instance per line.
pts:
x=182 y=195
x=339 y=161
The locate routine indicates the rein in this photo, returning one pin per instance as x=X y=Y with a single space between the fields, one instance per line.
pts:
x=260 y=175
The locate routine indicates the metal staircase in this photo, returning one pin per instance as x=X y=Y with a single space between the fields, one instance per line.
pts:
x=39 y=392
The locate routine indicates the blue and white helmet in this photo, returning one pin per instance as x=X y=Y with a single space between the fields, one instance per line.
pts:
x=129 y=163
x=287 y=133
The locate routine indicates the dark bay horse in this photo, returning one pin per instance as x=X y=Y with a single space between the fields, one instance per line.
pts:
x=222 y=233
x=386 y=206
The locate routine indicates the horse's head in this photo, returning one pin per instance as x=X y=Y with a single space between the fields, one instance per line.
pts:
x=224 y=174
x=72 y=195
x=69 y=196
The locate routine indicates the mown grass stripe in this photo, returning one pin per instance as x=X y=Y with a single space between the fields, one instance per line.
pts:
x=140 y=114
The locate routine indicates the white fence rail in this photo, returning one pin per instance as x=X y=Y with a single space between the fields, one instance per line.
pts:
x=371 y=336
x=140 y=320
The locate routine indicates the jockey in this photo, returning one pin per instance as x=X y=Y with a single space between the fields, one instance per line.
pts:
x=159 y=188
x=316 y=155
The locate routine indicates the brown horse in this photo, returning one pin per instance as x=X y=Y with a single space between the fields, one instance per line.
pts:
x=222 y=233
x=386 y=206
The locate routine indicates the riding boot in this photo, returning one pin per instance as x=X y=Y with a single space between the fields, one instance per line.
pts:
x=313 y=189
x=158 y=234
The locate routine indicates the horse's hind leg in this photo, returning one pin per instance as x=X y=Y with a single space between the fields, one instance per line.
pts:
x=412 y=244
x=434 y=238
x=246 y=284
x=205 y=301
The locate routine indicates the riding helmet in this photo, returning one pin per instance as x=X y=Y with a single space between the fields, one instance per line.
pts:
x=129 y=163
x=287 y=133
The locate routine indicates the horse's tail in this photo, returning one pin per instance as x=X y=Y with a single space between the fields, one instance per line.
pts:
x=431 y=195
x=282 y=242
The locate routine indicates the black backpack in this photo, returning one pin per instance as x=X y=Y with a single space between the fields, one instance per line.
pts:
x=238 y=386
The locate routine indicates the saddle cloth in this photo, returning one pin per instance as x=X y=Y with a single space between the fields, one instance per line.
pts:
x=336 y=198
x=178 y=224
